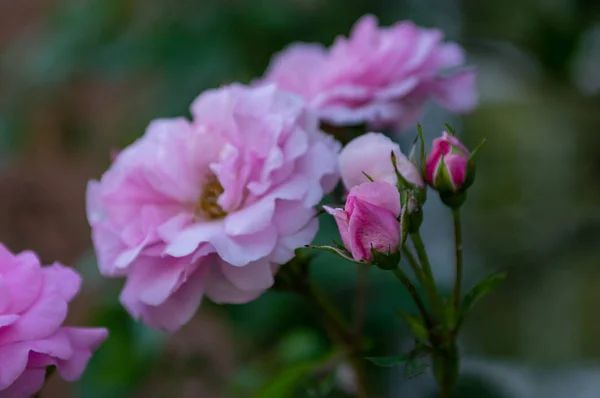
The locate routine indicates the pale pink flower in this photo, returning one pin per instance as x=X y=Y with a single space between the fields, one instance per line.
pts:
x=33 y=306
x=370 y=220
x=447 y=164
x=379 y=76
x=211 y=207
x=370 y=154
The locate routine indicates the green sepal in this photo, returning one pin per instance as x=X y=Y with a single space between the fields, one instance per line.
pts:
x=341 y=252
x=386 y=261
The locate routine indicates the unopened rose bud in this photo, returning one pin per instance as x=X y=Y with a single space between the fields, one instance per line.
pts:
x=369 y=155
x=448 y=166
x=368 y=222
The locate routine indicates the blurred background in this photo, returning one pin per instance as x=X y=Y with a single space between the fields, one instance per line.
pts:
x=81 y=77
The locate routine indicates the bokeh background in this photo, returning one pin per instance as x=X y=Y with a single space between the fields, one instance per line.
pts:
x=81 y=77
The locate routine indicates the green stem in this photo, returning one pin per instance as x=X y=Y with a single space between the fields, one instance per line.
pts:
x=430 y=287
x=340 y=332
x=330 y=312
x=415 y=295
x=360 y=303
x=459 y=255
x=414 y=265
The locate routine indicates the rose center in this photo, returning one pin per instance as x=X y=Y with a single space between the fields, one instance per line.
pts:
x=207 y=206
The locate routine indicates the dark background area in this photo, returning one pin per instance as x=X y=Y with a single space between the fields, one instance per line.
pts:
x=79 y=78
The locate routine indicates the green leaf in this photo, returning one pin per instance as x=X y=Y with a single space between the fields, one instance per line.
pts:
x=321 y=386
x=477 y=148
x=478 y=292
x=450 y=129
x=416 y=325
x=422 y=159
x=285 y=384
x=388 y=362
x=414 y=367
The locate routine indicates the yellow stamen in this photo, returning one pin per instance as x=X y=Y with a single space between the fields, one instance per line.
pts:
x=207 y=206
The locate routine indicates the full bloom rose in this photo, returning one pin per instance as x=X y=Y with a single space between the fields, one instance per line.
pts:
x=370 y=220
x=378 y=76
x=371 y=154
x=211 y=207
x=447 y=164
x=33 y=306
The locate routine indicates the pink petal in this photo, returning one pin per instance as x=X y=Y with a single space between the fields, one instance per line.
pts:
x=27 y=384
x=380 y=194
x=84 y=341
x=174 y=312
x=13 y=361
x=65 y=280
x=220 y=290
x=253 y=276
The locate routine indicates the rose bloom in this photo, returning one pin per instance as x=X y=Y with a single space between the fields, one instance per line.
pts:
x=33 y=306
x=213 y=206
x=369 y=220
x=379 y=76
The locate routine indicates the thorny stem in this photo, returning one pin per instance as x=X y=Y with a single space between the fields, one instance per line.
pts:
x=459 y=255
x=340 y=331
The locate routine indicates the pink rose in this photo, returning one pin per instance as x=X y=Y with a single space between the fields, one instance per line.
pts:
x=447 y=164
x=371 y=154
x=370 y=220
x=379 y=76
x=211 y=207
x=33 y=305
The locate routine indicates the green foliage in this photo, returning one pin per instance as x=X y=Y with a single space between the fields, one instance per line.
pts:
x=478 y=292
x=386 y=362
x=416 y=325
x=124 y=360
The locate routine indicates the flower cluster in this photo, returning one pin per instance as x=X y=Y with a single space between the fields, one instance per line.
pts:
x=381 y=77
x=33 y=307
x=385 y=187
x=213 y=206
